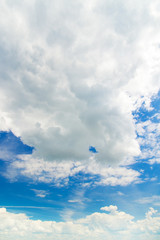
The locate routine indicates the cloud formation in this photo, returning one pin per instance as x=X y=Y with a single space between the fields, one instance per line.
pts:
x=149 y=133
x=71 y=74
x=59 y=173
x=40 y=193
x=154 y=200
x=113 y=225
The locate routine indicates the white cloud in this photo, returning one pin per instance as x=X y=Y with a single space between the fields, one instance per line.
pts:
x=72 y=72
x=149 y=132
x=75 y=200
x=78 y=197
x=111 y=208
x=40 y=193
x=59 y=173
x=154 y=200
x=120 y=193
x=114 y=175
x=42 y=171
x=113 y=225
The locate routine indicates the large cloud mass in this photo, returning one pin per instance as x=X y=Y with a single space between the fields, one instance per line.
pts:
x=71 y=73
x=99 y=225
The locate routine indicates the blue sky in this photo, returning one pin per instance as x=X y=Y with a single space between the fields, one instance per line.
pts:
x=79 y=120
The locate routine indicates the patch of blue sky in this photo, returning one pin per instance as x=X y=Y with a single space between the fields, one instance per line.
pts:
x=80 y=196
x=143 y=114
x=144 y=195
x=19 y=195
x=150 y=178
x=75 y=197
x=10 y=143
x=10 y=147
x=125 y=197
x=148 y=136
x=92 y=149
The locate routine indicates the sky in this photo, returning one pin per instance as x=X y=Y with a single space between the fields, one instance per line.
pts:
x=79 y=120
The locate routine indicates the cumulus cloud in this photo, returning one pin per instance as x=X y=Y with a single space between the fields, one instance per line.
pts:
x=111 y=208
x=72 y=72
x=113 y=225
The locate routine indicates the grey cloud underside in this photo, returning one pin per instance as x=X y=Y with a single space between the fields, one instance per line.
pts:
x=71 y=73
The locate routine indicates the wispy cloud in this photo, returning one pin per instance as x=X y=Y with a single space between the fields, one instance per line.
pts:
x=34 y=207
x=59 y=173
x=40 y=193
x=154 y=200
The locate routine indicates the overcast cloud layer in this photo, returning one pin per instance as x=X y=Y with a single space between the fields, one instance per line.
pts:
x=72 y=72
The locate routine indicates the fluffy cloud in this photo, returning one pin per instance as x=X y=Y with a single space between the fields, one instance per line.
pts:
x=72 y=72
x=149 y=133
x=111 y=208
x=113 y=225
x=59 y=173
